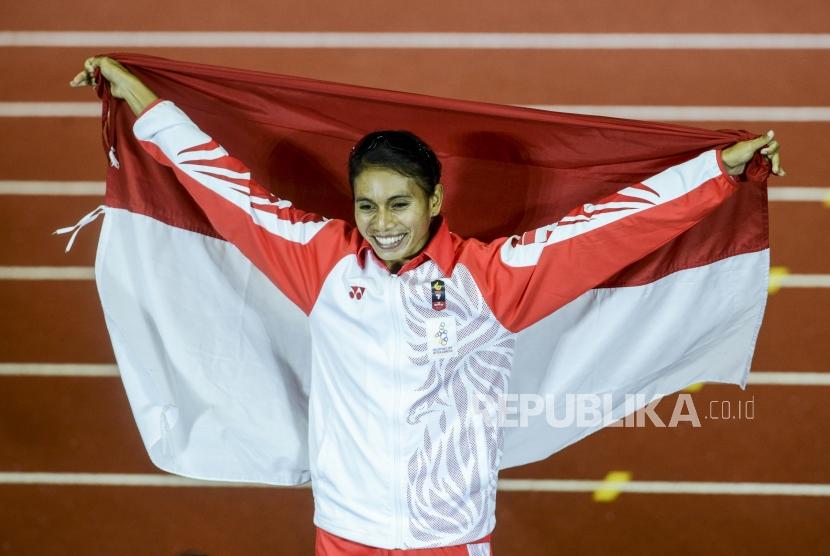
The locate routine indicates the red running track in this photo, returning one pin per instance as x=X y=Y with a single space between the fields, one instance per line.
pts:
x=51 y=424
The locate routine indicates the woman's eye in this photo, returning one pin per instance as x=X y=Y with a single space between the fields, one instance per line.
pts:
x=365 y=208
x=400 y=205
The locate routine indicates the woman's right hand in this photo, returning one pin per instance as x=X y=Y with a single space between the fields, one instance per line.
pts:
x=123 y=84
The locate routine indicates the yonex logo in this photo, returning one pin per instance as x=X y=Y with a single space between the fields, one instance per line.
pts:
x=356 y=292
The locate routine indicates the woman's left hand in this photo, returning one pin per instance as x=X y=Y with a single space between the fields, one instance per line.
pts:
x=123 y=84
x=736 y=156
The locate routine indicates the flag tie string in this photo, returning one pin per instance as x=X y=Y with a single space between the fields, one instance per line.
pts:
x=95 y=213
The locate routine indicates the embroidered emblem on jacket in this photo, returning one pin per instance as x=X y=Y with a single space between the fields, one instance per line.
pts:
x=439 y=295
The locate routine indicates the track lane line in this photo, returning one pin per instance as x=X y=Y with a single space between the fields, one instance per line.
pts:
x=697 y=113
x=88 y=273
x=96 y=188
x=506 y=485
x=58 y=369
x=636 y=112
x=50 y=109
x=47 y=273
x=798 y=194
x=790 y=378
x=442 y=40
x=666 y=487
x=58 y=188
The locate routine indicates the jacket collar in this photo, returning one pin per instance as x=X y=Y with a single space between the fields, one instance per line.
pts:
x=440 y=249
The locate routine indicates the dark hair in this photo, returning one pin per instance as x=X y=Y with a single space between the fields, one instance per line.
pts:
x=401 y=151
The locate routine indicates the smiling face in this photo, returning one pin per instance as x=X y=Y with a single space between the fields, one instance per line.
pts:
x=393 y=214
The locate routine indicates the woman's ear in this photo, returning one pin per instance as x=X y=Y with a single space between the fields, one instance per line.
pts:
x=436 y=200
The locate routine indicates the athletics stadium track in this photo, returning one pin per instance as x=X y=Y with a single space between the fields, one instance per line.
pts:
x=69 y=449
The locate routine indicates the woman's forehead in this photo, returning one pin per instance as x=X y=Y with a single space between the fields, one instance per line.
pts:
x=381 y=185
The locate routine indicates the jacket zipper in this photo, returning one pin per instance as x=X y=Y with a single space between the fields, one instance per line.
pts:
x=396 y=498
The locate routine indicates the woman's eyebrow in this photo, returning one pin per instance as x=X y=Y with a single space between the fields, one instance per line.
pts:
x=389 y=200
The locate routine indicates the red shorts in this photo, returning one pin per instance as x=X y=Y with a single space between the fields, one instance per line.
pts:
x=332 y=545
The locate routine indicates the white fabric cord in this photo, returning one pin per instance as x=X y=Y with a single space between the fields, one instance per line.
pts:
x=95 y=213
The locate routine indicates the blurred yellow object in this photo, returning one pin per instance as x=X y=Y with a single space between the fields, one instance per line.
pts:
x=610 y=493
x=776 y=275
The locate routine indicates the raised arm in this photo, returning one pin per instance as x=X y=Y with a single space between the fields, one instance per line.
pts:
x=525 y=278
x=295 y=249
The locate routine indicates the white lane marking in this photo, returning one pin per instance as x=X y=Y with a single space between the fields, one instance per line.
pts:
x=58 y=369
x=546 y=41
x=637 y=112
x=96 y=188
x=799 y=194
x=115 y=479
x=513 y=485
x=47 y=273
x=50 y=109
x=697 y=113
x=666 y=487
x=803 y=281
x=58 y=188
x=791 y=378
x=88 y=273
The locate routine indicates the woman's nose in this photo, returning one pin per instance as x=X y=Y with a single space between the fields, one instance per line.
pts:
x=383 y=221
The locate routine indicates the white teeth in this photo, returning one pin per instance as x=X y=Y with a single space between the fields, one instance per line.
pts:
x=388 y=241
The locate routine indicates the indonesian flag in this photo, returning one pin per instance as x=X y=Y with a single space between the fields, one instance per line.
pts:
x=215 y=359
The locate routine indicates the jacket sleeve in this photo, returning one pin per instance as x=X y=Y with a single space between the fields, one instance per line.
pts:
x=526 y=278
x=295 y=249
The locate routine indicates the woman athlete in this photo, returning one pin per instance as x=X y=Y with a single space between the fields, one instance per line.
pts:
x=413 y=327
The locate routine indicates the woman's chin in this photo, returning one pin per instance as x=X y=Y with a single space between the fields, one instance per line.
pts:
x=391 y=255
x=395 y=259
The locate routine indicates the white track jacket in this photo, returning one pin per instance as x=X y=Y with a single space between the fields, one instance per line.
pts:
x=402 y=452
